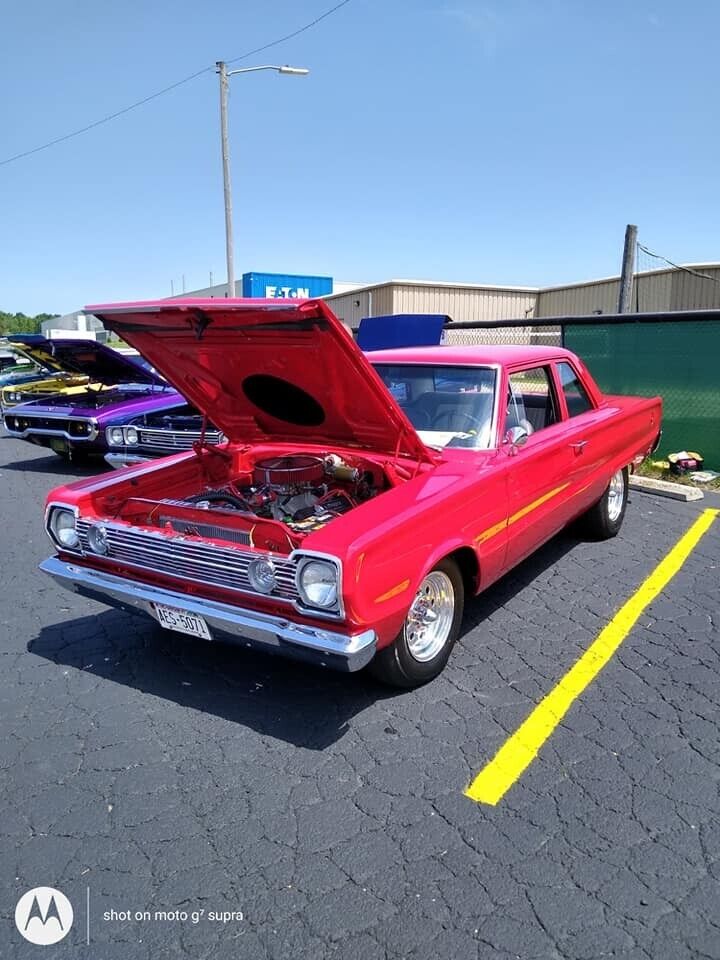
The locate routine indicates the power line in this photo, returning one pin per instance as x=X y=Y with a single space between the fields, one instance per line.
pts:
x=107 y=119
x=695 y=273
x=290 y=36
x=173 y=86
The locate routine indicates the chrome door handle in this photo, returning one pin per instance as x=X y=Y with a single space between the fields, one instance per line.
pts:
x=579 y=446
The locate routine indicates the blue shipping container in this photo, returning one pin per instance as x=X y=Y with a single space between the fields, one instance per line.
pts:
x=284 y=285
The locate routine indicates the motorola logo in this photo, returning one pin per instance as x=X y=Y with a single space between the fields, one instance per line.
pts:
x=43 y=916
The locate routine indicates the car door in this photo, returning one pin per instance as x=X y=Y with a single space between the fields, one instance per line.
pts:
x=538 y=482
x=587 y=438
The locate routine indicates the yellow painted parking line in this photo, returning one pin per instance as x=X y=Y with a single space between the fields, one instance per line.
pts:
x=518 y=752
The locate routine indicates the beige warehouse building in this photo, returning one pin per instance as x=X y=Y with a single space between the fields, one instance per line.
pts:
x=696 y=287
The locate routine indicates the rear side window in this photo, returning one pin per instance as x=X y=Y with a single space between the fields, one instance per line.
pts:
x=576 y=396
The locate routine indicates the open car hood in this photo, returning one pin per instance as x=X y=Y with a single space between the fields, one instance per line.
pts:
x=268 y=370
x=20 y=348
x=100 y=363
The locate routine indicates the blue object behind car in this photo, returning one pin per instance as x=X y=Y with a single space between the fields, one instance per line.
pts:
x=401 y=330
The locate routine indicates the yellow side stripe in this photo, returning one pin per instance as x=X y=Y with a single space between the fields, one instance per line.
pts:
x=393 y=591
x=518 y=752
x=491 y=531
x=498 y=527
x=537 y=503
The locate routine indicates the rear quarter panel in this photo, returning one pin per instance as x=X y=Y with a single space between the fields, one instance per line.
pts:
x=620 y=431
x=628 y=426
x=631 y=428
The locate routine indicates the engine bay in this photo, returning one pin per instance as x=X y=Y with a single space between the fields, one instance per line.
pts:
x=301 y=491
x=272 y=501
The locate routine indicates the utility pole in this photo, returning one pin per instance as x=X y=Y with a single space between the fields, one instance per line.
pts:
x=225 y=75
x=229 y=252
x=628 y=267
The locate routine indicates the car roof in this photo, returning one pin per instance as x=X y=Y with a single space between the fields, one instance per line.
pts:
x=504 y=355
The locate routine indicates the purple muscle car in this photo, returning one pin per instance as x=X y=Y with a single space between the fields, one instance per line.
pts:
x=75 y=422
x=157 y=433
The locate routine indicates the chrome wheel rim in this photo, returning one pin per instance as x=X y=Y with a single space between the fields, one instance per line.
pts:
x=430 y=619
x=616 y=495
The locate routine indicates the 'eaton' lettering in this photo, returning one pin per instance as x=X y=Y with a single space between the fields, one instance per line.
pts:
x=287 y=293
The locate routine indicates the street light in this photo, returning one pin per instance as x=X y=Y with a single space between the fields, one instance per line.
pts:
x=225 y=74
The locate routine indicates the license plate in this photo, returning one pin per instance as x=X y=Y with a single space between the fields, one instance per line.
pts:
x=58 y=445
x=181 y=620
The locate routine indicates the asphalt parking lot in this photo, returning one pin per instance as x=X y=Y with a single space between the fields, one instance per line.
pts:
x=162 y=774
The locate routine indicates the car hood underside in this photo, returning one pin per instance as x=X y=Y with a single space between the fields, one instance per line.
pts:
x=263 y=370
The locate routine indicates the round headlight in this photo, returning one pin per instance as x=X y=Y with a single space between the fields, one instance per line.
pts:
x=115 y=436
x=131 y=435
x=318 y=583
x=261 y=574
x=62 y=525
x=97 y=538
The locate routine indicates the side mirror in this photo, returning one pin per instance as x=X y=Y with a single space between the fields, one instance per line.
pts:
x=515 y=438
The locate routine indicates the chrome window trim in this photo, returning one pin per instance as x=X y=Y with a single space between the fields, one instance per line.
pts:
x=567 y=362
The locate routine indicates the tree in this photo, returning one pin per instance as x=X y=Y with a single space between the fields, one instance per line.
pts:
x=20 y=323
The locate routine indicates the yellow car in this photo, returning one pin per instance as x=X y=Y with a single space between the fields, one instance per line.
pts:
x=58 y=360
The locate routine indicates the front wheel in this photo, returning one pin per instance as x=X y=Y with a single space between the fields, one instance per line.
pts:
x=421 y=649
x=604 y=520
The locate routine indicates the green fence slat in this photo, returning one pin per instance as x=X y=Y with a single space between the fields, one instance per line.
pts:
x=678 y=361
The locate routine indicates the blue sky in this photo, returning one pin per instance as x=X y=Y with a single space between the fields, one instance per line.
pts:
x=498 y=142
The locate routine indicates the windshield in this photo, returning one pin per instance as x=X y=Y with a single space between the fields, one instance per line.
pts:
x=449 y=406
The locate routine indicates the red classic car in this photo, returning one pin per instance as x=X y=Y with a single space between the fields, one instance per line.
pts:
x=357 y=500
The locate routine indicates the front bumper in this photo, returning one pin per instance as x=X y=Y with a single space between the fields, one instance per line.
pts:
x=32 y=433
x=248 y=628
x=118 y=460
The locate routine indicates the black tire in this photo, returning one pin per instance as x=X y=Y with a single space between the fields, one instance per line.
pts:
x=602 y=521
x=396 y=666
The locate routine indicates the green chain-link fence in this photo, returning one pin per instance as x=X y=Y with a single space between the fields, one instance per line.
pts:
x=672 y=355
x=677 y=360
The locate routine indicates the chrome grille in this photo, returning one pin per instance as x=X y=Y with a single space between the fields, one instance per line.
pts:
x=189 y=560
x=174 y=440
